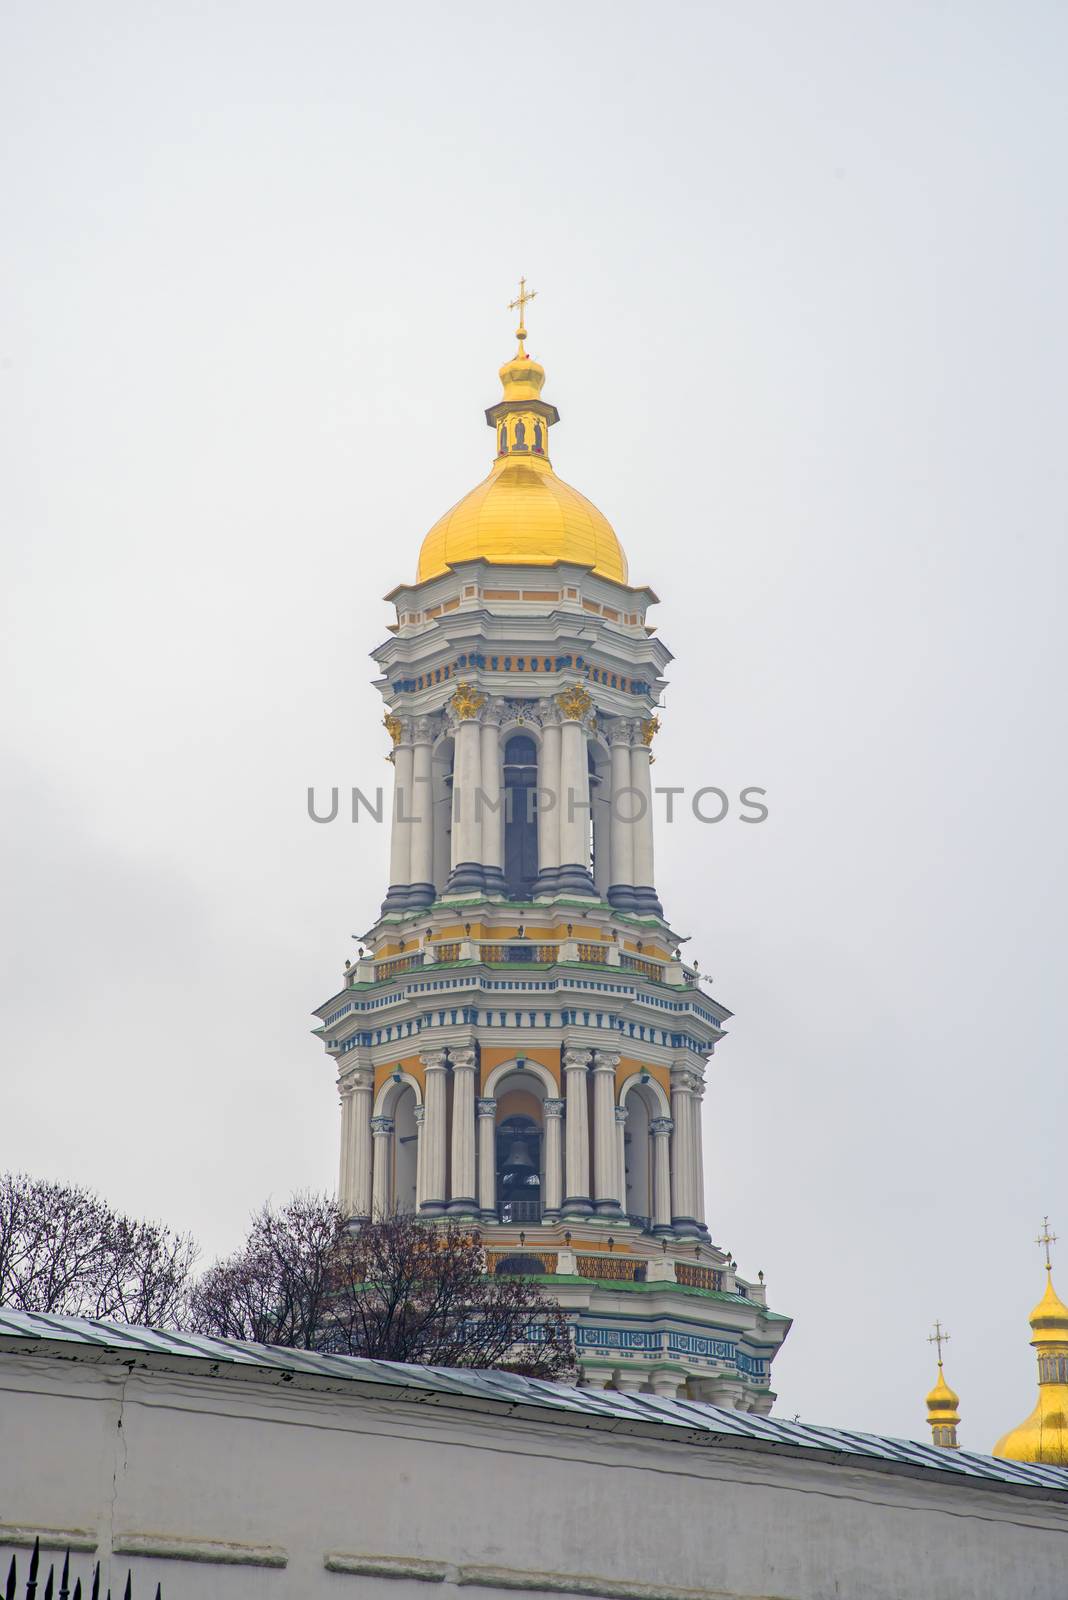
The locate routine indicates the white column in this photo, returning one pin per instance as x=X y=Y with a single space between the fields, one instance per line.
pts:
x=660 y=1128
x=605 y=1138
x=683 y=1185
x=400 y=841
x=462 y=1190
x=360 y=1169
x=624 y=803
x=420 y=1117
x=601 y=802
x=576 y=1135
x=549 y=802
x=382 y=1136
x=434 y=1130
x=466 y=824
x=553 y=1197
x=487 y=1158
x=643 y=826
x=421 y=810
x=492 y=845
x=621 y=1155
x=574 y=802
x=699 y=1154
x=345 y=1090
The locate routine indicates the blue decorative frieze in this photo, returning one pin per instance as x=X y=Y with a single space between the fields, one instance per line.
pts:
x=696 y=1344
x=616 y=1338
x=755 y=1366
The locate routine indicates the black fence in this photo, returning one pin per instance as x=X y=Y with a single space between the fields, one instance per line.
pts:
x=47 y=1583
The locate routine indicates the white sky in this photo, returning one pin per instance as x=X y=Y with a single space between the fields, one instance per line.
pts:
x=801 y=275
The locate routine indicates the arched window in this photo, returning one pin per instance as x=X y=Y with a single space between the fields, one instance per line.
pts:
x=519 y=1170
x=520 y=823
x=502 y=439
x=538 y=436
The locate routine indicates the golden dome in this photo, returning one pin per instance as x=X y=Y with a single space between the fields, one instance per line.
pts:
x=1044 y=1436
x=942 y=1403
x=522 y=514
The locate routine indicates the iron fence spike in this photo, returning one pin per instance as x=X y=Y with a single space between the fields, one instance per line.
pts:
x=96 y=1583
x=64 y=1582
x=78 y=1589
x=49 y=1582
x=12 y=1579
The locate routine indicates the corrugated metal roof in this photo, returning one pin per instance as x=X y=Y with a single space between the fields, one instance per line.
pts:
x=19 y=1328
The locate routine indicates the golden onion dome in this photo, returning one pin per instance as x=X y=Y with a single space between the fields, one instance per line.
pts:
x=522 y=514
x=942 y=1403
x=1044 y=1436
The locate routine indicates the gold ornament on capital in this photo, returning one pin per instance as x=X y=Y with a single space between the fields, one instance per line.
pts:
x=650 y=729
x=467 y=701
x=574 y=702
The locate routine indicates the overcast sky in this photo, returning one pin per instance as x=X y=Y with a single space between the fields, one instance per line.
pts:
x=801 y=273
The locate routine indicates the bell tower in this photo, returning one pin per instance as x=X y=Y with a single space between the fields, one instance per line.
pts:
x=521 y=1044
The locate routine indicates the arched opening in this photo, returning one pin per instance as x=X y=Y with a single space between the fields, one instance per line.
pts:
x=405 y=1150
x=638 y=1158
x=441 y=789
x=597 y=761
x=520 y=823
x=519 y=1169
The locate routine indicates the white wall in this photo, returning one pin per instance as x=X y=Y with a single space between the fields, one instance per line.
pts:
x=185 y=1459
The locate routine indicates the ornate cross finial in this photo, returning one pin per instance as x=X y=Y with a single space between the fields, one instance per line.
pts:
x=939 y=1338
x=1045 y=1239
x=520 y=304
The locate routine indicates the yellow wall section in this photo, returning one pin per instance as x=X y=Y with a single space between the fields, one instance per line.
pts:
x=519 y=1103
x=628 y=1066
x=409 y=1064
x=493 y=1055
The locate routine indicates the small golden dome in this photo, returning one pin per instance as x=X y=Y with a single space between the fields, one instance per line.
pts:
x=1049 y=1319
x=522 y=514
x=942 y=1403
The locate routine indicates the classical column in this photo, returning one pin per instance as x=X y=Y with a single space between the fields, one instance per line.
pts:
x=400 y=838
x=623 y=807
x=344 y=1182
x=382 y=1136
x=699 y=1155
x=434 y=1131
x=553 y=1196
x=549 y=801
x=358 y=1172
x=492 y=802
x=421 y=811
x=462 y=1189
x=574 y=876
x=660 y=1128
x=601 y=803
x=420 y=1117
x=487 y=1158
x=684 y=1087
x=621 y=1115
x=640 y=755
x=577 y=1135
x=466 y=875
x=605 y=1137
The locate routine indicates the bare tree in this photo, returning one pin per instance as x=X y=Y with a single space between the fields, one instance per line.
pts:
x=63 y=1250
x=399 y=1289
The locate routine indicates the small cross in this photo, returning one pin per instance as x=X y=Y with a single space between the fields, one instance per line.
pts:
x=1045 y=1239
x=939 y=1338
x=520 y=304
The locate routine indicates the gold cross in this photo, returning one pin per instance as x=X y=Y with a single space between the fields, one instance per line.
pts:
x=520 y=304
x=939 y=1338
x=1045 y=1239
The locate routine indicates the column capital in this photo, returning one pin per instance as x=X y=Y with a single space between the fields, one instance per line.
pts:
x=486 y=1107
x=576 y=1060
x=621 y=1116
x=606 y=1060
x=466 y=703
x=463 y=1060
x=575 y=702
x=661 y=1127
x=623 y=731
x=688 y=1080
x=420 y=1113
x=553 y=1108
x=434 y=1060
x=425 y=729
x=381 y=1126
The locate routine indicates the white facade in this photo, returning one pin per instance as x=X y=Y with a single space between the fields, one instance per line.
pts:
x=226 y=1476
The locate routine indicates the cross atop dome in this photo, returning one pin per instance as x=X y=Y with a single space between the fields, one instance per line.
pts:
x=519 y=304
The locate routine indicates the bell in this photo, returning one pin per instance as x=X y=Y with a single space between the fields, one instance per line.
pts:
x=518 y=1158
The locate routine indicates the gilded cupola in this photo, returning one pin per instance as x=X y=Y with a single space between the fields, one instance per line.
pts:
x=522 y=514
x=943 y=1416
x=1044 y=1436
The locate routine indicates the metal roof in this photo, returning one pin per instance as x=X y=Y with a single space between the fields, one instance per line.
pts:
x=30 y=1331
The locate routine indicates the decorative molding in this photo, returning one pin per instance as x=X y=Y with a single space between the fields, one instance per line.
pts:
x=575 y=1058
x=380 y=1126
x=516 y=1579
x=661 y=1126
x=553 y=1108
x=650 y=728
x=463 y=1060
x=434 y=1059
x=393 y=726
x=606 y=1060
x=21 y=1537
x=575 y=702
x=486 y=1107
x=211 y=1551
